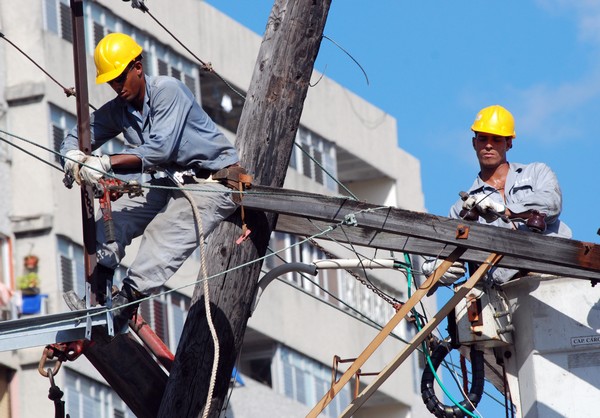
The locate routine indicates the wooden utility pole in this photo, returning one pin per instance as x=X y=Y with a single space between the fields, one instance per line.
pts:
x=265 y=138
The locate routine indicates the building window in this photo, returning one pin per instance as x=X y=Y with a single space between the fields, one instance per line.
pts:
x=100 y=21
x=71 y=268
x=220 y=101
x=87 y=398
x=306 y=380
x=58 y=18
x=166 y=315
x=334 y=286
x=312 y=156
x=60 y=123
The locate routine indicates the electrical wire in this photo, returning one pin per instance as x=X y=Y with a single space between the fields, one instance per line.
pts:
x=366 y=321
x=205 y=279
x=430 y=364
x=331 y=176
x=71 y=92
x=111 y=175
x=139 y=4
x=68 y=91
x=450 y=366
x=349 y=55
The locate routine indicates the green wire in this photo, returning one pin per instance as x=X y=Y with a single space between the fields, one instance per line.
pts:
x=426 y=351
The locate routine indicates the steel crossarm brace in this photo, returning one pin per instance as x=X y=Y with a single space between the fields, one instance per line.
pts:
x=460 y=293
x=385 y=331
x=49 y=329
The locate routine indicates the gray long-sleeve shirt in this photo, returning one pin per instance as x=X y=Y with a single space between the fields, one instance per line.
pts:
x=172 y=132
x=528 y=187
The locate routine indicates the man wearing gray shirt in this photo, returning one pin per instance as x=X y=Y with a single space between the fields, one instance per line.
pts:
x=168 y=131
x=505 y=194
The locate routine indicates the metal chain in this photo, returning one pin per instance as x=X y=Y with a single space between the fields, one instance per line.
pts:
x=393 y=302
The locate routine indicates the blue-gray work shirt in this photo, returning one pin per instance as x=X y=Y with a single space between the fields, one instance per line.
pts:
x=528 y=187
x=172 y=132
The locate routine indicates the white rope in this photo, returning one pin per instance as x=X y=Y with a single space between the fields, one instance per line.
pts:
x=209 y=319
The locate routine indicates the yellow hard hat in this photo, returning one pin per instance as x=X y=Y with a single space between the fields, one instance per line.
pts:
x=113 y=54
x=495 y=120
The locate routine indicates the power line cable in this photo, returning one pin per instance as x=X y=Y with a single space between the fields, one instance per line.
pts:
x=310 y=239
x=68 y=91
x=139 y=4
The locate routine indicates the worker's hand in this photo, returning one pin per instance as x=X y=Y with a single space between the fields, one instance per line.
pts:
x=94 y=169
x=72 y=160
x=455 y=272
x=487 y=207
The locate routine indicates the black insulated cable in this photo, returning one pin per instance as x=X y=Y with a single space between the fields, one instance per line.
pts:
x=434 y=405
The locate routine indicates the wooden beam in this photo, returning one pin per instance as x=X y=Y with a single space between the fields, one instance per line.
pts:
x=418 y=227
x=369 y=237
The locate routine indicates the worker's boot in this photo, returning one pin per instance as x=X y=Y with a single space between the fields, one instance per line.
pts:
x=103 y=275
x=104 y=279
x=123 y=307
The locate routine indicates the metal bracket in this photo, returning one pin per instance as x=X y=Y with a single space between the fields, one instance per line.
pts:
x=462 y=232
x=350 y=220
x=50 y=329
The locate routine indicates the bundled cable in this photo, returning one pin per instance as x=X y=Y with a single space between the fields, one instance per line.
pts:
x=434 y=405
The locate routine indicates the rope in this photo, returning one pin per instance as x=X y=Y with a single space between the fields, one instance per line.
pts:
x=209 y=318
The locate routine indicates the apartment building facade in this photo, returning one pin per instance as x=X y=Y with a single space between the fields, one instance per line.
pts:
x=300 y=323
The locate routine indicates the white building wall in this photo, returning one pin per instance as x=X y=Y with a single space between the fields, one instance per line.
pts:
x=41 y=201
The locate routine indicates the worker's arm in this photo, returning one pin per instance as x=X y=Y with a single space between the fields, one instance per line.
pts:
x=125 y=163
x=105 y=124
x=537 y=189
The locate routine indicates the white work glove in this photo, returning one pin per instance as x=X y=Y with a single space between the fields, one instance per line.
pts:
x=486 y=206
x=72 y=160
x=95 y=168
x=455 y=272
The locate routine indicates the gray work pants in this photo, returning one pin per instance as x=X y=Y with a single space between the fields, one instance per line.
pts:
x=164 y=219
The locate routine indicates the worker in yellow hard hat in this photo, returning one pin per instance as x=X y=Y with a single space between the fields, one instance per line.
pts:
x=505 y=194
x=168 y=131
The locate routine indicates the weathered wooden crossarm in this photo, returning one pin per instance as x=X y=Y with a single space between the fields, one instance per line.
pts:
x=421 y=233
x=369 y=237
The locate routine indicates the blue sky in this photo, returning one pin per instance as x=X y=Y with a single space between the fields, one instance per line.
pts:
x=433 y=64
